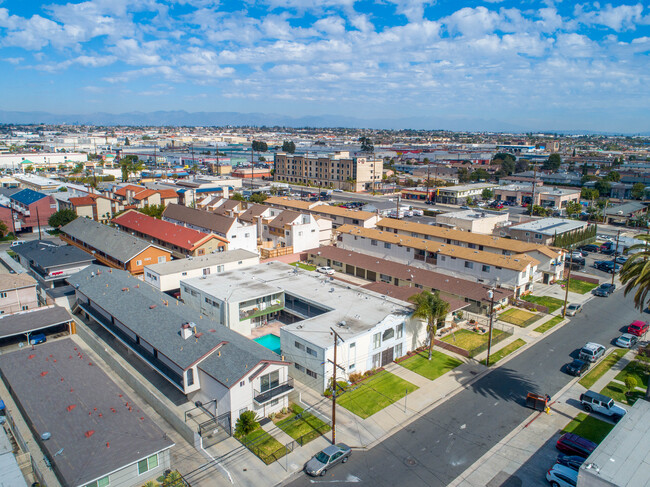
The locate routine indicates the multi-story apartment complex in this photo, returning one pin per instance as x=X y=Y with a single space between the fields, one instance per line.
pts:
x=339 y=170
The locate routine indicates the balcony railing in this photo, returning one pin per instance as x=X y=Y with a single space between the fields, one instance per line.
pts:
x=255 y=312
x=279 y=390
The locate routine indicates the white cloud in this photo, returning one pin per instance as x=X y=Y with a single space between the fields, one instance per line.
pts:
x=472 y=22
x=622 y=17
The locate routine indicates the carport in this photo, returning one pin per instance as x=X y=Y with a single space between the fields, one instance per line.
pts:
x=35 y=320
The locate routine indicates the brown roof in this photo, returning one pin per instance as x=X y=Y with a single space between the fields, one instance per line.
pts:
x=82 y=200
x=16 y=281
x=144 y=194
x=517 y=262
x=167 y=193
x=253 y=212
x=218 y=224
x=344 y=212
x=285 y=218
x=289 y=203
x=403 y=293
x=429 y=279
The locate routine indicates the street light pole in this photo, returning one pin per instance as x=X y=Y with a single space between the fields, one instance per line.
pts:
x=491 y=296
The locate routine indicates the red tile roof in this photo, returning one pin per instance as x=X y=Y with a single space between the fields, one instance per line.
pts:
x=144 y=194
x=130 y=187
x=168 y=232
x=167 y=193
x=82 y=200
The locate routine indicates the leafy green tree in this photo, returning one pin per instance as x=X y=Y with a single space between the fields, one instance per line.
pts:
x=3 y=229
x=521 y=165
x=79 y=167
x=499 y=157
x=487 y=194
x=173 y=479
x=573 y=207
x=258 y=198
x=630 y=383
x=431 y=308
x=259 y=146
x=246 y=423
x=126 y=141
x=603 y=187
x=480 y=174
x=155 y=211
x=638 y=191
x=553 y=162
x=288 y=146
x=464 y=175
x=589 y=194
x=613 y=176
x=237 y=197
x=366 y=144
x=61 y=218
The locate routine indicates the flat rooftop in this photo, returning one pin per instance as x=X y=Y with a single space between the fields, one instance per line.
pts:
x=95 y=427
x=359 y=309
x=180 y=265
x=550 y=226
x=473 y=215
x=32 y=320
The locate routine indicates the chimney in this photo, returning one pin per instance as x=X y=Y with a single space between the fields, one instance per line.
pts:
x=186 y=331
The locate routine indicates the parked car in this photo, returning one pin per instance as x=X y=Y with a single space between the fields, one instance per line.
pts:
x=604 y=289
x=16 y=243
x=609 y=251
x=627 y=340
x=562 y=476
x=325 y=270
x=621 y=259
x=37 y=338
x=590 y=248
x=573 y=444
x=571 y=461
x=607 y=266
x=592 y=401
x=591 y=352
x=577 y=367
x=465 y=207
x=573 y=309
x=326 y=459
x=637 y=328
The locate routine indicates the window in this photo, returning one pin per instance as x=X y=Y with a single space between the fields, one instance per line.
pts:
x=538 y=236
x=242 y=383
x=147 y=464
x=312 y=352
x=299 y=346
x=206 y=271
x=376 y=340
x=103 y=482
x=398 y=350
x=486 y=268
x=337 y=263
x=25 y=308
x=311 y=374
x=373 y=242
x=3 y=295
x=442 y=258
x=388 y=334
x=138 y=262
x=242 y=411
x=399 y=330
x=270 y=381
x=274 y=402
x=386 y=245
x=469 y=265
x=184 y=274
x=201 y=252
x=190 y=377
x=299 y=367
x=471 y=246
x=376 y=360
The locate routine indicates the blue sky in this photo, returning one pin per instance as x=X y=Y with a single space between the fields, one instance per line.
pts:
x=538 y=65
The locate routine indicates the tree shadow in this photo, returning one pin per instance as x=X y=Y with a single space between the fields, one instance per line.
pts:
x=533 y=471
x=505 y=384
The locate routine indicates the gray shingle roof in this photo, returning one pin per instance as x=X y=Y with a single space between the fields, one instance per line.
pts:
x=36 y=319
x=110 y=241
x=57 y=386
x=46 y=254
x=213 y=222
x=160 y=326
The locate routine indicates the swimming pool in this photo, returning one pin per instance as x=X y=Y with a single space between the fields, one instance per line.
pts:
x=270 y=341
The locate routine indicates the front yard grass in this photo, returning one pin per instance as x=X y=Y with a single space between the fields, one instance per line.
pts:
x=549 y=324
x=469 y=340
x=636 y=370
x=303 y=425
x=617 y=392
x=589 y=427
x=304 y=266
x=374 y=394
x=519 y=317
x=605 y=364
x=507 y=350
x=439 y=364
x=262 y=444
x=580 y=287
x=553 y=304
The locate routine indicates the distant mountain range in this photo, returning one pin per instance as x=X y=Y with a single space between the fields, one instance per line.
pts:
x=181 y=117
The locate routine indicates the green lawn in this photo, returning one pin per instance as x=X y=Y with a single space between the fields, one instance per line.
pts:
x=308 y=427
x=507 y=350
x=469 y=340
x=549 y=324
x=553 y=304
x=264 y=445
x=636 y=370
x=589 y=427
x=439 y=364
x=519 y=317
x=302 y=265
x=580 y=287
x=374 y=394
x=606 y=364
x=617 y=392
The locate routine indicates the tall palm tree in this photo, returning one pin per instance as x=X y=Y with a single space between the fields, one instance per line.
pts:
x=635 y=275
x=430 y=307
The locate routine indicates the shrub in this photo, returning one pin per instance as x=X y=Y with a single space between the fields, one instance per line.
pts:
x=459 y=315
x=284 y=410
x=246 y=423
x=630 y=383
x=356 y=377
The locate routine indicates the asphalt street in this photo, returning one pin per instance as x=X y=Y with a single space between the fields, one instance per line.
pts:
x=440 y=445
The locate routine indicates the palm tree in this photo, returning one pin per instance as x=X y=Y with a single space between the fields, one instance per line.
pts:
x=430 y=307
x=635 y=275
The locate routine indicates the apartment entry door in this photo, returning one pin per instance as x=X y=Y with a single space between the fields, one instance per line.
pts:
x=386 y=356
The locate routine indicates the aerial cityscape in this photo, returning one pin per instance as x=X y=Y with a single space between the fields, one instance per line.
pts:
x=285 y=243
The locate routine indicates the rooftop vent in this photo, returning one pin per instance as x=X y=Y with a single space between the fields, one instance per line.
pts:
x=186 y=330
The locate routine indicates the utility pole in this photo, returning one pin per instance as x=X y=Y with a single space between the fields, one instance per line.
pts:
x=618 y=234
x=397 y=216
x=491 y=296
x=252 y=167
x=568 y=282
x=334 y=384
x=532 y=203
x=38 y=220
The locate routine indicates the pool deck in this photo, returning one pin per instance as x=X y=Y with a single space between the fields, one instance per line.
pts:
x=272 y=328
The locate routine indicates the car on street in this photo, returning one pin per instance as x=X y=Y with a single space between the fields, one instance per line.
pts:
x=337 y=190
x=573 y=444
x=573 y=309
x=607 y=266
x=627 y=340
x=590 y=248
x=621 y=259
x=325 y=459
x=591 y=352
x=16 y=243
x=325 y=270
x=562 y=476
x=638 y=328
x=604 y=289
x=465 y=207
x=577 y=367
x=571 y=461
x=592 y=401
x=37 y=338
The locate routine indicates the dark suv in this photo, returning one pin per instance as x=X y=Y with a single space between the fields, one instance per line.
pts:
x=575 y=445
x=604 y=290
x=577 y=367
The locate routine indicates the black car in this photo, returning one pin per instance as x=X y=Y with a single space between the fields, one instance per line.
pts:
x=577 y=367
x=609 y=251
x=590 y=248
x=607 y=266
x=571 y=461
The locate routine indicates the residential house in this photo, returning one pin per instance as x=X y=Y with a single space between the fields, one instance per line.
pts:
x=545 y=230
x=338 y=216
x=457 y=195
x=17 y=293
x=475 y=221
x=543 y=196
x=31 y=209
x=112 y=247
x=179 y=240
x=94 y=206
x=623 y=213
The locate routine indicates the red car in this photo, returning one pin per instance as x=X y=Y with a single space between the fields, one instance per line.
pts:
x=575 y=445
x=637 y=328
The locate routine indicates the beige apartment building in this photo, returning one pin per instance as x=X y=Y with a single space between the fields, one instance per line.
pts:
x=337 y=171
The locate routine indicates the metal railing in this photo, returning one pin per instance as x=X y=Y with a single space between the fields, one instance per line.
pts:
x=262 y=397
